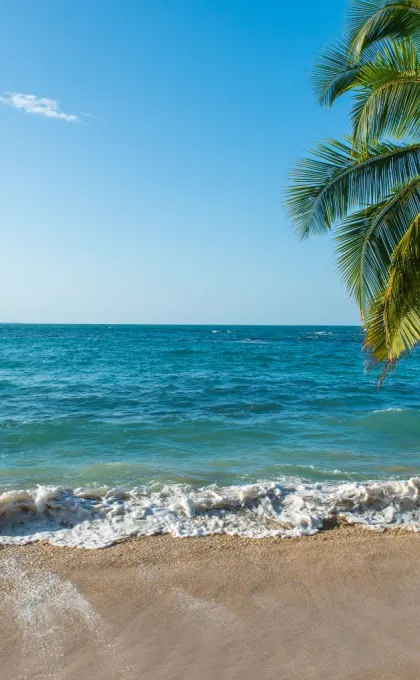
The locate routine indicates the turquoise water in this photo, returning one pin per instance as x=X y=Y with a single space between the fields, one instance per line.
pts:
x=125 y=405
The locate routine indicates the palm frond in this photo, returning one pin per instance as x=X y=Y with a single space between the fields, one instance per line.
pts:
x=367 y=185
x=340 y=177
x=371 y=21
x=338 y=70
x=393 y=321
x=334 y=72
x=367 y=240
x=375 y=343
x=388 y=100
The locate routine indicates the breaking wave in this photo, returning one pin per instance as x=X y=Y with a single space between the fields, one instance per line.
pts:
x=99 y=517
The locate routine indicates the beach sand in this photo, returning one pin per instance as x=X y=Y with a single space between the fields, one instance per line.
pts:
x=343 y=604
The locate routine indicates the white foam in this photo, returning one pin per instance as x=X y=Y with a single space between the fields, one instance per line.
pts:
x=39 y=603
x=321 y=333
x=95 y=518
x=43 y=605
x=39 y=599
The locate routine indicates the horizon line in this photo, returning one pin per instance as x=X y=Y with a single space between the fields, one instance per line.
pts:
x=178 y=325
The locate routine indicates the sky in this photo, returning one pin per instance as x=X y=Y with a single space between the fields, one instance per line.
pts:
x=145 y=149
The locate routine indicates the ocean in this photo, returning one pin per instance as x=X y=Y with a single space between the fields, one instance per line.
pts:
x=113 y=431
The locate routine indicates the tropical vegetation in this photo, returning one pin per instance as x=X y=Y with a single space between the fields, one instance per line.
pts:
x=366 y=187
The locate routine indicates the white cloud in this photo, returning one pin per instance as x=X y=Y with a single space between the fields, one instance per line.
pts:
x=49 y=108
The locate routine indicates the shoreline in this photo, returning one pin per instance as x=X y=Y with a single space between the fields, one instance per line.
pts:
x=99 y=517
x=341 y=604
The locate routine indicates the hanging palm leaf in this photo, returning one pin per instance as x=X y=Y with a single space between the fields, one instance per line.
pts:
x=367 y=187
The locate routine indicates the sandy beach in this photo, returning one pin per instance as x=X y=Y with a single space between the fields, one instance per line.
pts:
x=340 y=605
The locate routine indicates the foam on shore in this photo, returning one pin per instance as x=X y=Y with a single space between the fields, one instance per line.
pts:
x=98 y=517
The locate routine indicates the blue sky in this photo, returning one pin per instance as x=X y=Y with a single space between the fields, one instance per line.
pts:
x=145 y=149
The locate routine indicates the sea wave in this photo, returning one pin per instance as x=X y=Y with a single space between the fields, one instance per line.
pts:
x=252 y=341
x=320 y=333
x=99 y=517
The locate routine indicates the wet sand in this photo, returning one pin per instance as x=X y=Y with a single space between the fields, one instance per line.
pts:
x=343 y=604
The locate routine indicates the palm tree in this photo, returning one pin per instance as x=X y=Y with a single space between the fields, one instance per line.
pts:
x=367 y=186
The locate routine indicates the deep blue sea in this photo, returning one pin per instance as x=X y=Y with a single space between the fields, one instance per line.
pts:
x=196 y=407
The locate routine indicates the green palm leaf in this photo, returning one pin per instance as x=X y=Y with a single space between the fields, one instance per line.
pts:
x=339 y=178
x=367 y=185
x=338 y=70
x=389 y=96
x=393 y=321
x=334 y=72
x=371 y=21
x=366 y=242
x=375 y=334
